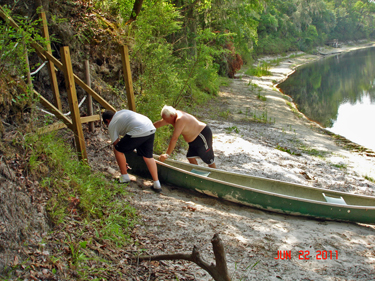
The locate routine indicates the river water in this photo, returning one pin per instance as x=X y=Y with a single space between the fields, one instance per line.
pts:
x=339 y=93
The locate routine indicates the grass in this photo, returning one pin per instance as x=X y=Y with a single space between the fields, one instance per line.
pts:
x=340 y=166
x=262 y=69
x=369 y=178
x=260 y=97
x=284 y=149
x=224 y=114
x=261 y=117
x=314 y=152
x=84 y=207
x=231 y=129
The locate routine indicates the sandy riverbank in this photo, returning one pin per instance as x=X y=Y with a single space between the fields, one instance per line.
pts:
x=176 y=220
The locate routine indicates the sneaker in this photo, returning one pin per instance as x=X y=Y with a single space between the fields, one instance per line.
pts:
x=157 y=190
x=124 y=178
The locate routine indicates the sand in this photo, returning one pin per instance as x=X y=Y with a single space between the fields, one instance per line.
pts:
x=176 y=220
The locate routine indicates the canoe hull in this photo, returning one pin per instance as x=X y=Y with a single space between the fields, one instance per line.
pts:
x=252 y=197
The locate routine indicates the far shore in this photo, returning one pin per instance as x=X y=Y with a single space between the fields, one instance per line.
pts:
x=300 y=58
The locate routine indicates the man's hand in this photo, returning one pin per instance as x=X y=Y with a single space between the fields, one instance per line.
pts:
x=163 y=157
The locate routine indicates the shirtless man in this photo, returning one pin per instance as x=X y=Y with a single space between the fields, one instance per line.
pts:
x=196 y=133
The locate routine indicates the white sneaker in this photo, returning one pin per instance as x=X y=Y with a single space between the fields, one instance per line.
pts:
x=156 y=187
x=124 y=178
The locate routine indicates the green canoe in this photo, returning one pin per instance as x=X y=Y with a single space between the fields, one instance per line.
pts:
x=267 y=194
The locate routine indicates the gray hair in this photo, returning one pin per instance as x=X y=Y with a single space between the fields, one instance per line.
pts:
x=168 y=111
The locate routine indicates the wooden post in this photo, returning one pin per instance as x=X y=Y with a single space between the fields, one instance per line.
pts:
x=90 y=110
x=50 y=65
x=127 y=77
x=73 y=103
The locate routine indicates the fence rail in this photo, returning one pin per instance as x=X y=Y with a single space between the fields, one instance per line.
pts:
x=76 y=121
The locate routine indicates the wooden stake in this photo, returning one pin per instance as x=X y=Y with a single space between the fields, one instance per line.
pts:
x=127 y=77
x=50 y=65
x=90 y=110
x=73 y=103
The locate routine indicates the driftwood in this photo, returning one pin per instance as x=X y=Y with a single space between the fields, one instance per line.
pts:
x=219 y=271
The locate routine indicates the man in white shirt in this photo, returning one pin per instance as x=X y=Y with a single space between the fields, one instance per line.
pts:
x=128 y=131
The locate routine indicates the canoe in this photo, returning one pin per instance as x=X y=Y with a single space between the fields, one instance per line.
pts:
x=266 y=194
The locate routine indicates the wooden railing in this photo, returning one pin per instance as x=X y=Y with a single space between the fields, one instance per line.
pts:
x=75 y=123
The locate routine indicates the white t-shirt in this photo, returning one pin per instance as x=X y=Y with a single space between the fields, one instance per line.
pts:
x=130 y=123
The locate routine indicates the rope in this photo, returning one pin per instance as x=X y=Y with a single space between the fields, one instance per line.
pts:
x=66 y=114
x=40 y=67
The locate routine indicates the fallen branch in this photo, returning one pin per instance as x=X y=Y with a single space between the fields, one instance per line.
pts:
x=219 y=271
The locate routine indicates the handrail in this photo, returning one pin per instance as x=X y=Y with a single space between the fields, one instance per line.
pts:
x=44 y=55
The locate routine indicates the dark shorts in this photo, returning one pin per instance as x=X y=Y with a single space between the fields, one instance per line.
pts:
x=144 y=145
x=202 y=147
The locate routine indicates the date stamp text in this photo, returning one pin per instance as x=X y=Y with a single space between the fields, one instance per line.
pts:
x=307 y=255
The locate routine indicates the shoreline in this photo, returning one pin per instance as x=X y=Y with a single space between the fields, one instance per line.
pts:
x=308 y=58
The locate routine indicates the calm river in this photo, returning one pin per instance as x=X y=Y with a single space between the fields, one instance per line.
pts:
x=339 y=93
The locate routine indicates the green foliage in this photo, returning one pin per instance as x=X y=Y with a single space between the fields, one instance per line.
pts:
x=284 y=149
x=302 y=24
x=15 y=43
x=260 y=97
x=369 y=178
x=14 y=49
x=341 y=166
x=231 y=129
x=225 y=114
x=262 y=69
x=270 y=45
x=76 y=190
x=314 y=152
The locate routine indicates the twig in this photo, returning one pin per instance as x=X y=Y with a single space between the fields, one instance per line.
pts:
x=5 y=123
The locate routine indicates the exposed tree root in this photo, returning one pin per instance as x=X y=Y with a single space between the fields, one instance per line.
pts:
x=219 y=271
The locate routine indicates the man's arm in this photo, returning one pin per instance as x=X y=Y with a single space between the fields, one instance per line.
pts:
x=160 y=123
x=178 y=127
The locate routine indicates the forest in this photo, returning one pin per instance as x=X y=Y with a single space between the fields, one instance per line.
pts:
x=181 y=52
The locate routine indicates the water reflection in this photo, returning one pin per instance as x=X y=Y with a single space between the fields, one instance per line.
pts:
x=359 y=132
x=324 y=90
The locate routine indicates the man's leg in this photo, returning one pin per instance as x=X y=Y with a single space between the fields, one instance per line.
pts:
x=192 y=160
x=121 y=161
x=151 y=165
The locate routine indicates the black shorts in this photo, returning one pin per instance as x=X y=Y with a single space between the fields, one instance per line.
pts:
x=202 y=147
x=144 y=145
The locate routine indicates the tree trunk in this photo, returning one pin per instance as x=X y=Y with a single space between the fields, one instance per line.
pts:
x=135 y=12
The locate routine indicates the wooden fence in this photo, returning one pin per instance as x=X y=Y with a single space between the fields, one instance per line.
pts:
x=76 y=121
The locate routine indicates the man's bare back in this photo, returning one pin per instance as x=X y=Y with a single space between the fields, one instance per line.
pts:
x=190 y=126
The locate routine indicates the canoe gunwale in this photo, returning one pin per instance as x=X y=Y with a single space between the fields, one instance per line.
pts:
x=347 y=206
